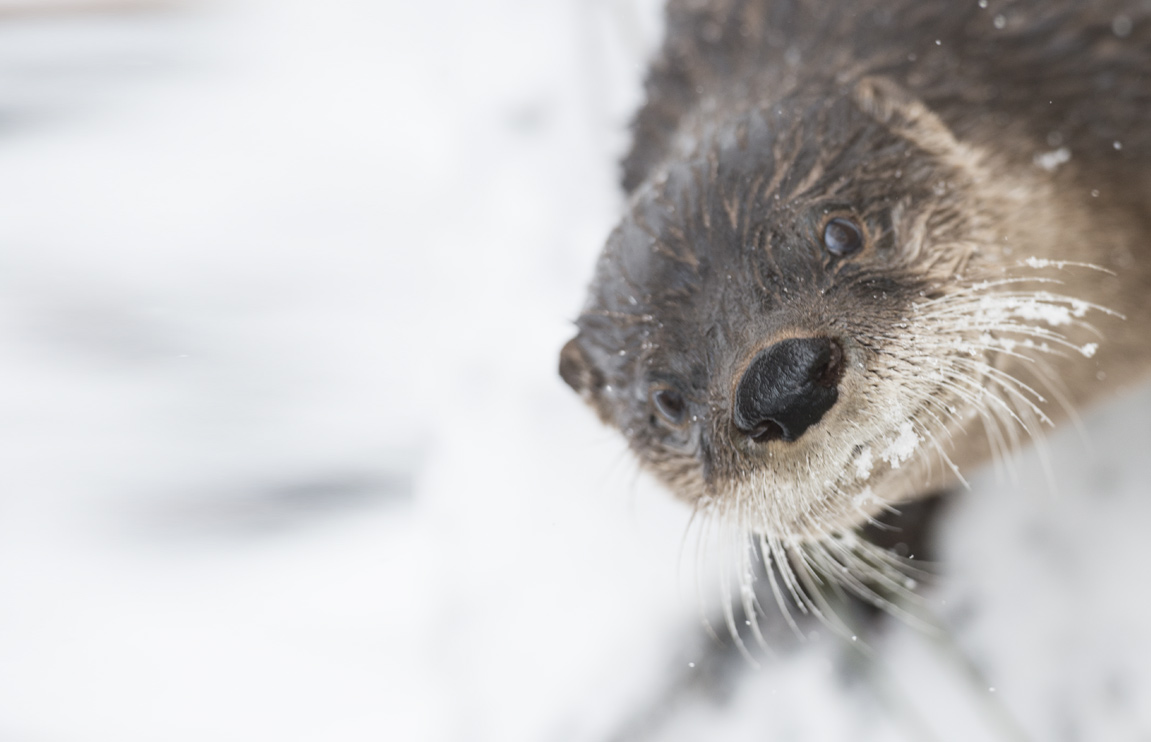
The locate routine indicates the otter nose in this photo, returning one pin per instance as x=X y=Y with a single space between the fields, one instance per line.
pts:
x=788 y=388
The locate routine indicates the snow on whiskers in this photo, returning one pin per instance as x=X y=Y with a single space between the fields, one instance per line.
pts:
x=977 y=360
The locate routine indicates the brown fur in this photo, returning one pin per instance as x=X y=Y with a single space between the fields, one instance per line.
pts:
x=941 y=128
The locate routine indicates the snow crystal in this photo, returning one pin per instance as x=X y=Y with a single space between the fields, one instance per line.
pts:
x=863 y=498
x=864 y=463
x=1031 y=308
x=902 y=447
x=1053 y=159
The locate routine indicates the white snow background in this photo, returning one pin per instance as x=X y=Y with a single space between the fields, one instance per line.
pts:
x=283 y=450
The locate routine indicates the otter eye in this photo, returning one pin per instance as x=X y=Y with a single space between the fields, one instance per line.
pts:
x=842 y=237
x=670 y=404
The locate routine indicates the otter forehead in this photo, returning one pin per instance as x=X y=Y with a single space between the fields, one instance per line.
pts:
x=747 y=193
x=725 y=246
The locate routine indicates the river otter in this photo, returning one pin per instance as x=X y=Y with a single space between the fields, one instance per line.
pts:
x=867 y=246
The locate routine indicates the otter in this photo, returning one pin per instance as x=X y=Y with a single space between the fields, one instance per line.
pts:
x=867 y=247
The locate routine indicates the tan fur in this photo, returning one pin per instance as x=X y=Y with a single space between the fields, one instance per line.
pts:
x=1000 y=289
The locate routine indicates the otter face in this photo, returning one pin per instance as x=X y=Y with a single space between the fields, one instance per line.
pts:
x=772 y=326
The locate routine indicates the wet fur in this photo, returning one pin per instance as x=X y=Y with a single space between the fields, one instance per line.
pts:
x=996 y=294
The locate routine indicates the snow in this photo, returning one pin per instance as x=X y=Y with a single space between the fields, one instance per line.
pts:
x=1049 y=161
x=864 y=463
x=902 y=447
x=285 y=454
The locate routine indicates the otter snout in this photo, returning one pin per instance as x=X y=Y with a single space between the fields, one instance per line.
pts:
x=787 y=388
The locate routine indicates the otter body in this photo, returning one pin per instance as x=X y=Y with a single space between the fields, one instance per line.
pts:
x=868 y=246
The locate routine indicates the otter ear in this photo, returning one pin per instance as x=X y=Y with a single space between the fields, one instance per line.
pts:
x=903 y=113
x=577 y=369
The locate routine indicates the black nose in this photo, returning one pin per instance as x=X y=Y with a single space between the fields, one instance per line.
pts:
x=788 y=388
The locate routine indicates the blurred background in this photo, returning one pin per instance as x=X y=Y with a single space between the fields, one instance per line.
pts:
x=283 y=451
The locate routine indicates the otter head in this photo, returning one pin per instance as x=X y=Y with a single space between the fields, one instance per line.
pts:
x=778 y=326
